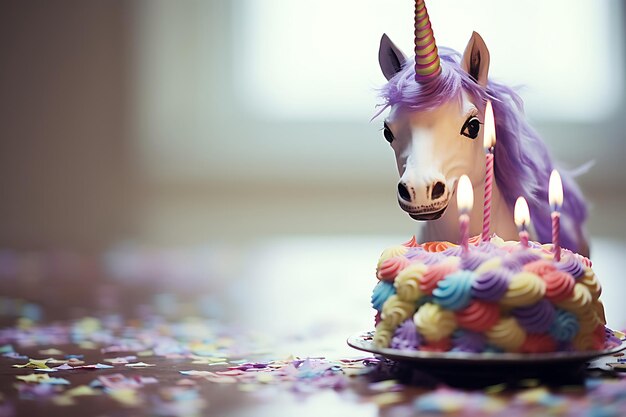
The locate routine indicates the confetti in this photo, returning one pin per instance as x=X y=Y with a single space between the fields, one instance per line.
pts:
x=116 y=381
x=34 y=378
x=121 y=360
x=139 y=365
x=34 y=364
x=125 y=396
x=191 y=359
x=51 y=352
x=56 y=381
x=197 y=373
x=81 y=391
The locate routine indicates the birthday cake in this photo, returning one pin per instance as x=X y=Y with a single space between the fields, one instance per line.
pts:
x=500 y=296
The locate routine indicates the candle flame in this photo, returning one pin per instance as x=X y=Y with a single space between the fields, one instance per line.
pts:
x=555 y=191
x=465 y=194
x=521 y=214
x=489 y=134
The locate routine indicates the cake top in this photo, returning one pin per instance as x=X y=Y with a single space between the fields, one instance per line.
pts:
x=505 y=254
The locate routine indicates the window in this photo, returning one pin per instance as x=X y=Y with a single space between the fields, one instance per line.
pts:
x=318 y=59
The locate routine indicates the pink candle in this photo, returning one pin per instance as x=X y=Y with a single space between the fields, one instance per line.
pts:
x=465 y=202
x=488 y=190
x=489 y=142
x=556 y=229
x=555 y=196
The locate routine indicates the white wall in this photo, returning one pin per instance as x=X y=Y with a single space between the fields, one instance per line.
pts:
x=215 y=161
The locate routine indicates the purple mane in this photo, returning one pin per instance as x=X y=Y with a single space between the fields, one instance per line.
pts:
x=522 y=161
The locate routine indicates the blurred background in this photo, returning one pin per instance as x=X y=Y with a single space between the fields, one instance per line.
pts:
x=192 y=143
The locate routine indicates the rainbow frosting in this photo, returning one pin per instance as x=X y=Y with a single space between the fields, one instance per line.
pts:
x=500 y=297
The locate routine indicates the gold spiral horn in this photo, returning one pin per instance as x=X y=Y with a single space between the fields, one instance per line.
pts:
x=427 y=62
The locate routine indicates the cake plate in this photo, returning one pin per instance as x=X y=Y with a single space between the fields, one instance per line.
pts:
x=364 y=341
x=465 y=368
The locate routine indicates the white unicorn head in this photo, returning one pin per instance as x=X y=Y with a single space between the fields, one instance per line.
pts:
x=433 y=148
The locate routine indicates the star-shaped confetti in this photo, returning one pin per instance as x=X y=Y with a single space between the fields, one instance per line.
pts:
x=34 y=364
x=34 y=378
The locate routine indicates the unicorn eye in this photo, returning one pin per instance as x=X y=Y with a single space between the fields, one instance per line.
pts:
x=387 y=134
x=471 y=127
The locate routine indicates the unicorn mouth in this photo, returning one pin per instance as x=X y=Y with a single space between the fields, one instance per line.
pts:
x=430 y=212
x=428 y=216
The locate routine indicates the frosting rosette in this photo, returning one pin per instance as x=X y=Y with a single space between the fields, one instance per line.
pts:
x=473 y=260
x=538 y=343
x=383 y=334
x=434 y=323
x=478 y=316
x=407 y=282
x=523 y=256
x=412 y=243
x=598 y=307
x=441 y=345
x=389 y=268
x=507 y=335
x=395 y=311
x=491 y=285
x=583 y=341
x=436 y=246
x=599 y=337
x=427 y=258
x=398 y=250
x=572 y=265
x=587 y=319
x=525 y=288
x=489 y=265
x=579 y=299
x=453 y=250
x=585 y=261
x=382 y=291
x=454 y=292
x=467 y=341
x=435 y=273
x=535 y=318
x=406 y=337
x=590 y=281
x=564 y=327
x=559 y=285
x=540 y=267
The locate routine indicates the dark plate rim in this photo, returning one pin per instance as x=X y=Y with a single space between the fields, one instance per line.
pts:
x=362 y=341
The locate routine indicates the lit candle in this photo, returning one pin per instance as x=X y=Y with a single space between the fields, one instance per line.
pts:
x=555 y=196
x=489 y=142
x=521 y=214
x=465 y=202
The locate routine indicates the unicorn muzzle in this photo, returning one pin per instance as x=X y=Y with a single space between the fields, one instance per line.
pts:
x=427 y=202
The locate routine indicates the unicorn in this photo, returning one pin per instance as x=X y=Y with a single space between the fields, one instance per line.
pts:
x=436 y=103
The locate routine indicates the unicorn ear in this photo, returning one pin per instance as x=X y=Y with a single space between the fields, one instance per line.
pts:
x=476 y=59
x=390 y=57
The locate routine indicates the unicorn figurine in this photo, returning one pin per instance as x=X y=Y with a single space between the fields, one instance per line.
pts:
x=437 y=103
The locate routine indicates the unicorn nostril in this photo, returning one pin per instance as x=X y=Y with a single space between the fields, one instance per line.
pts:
x=403 y=192
x=438 y=190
